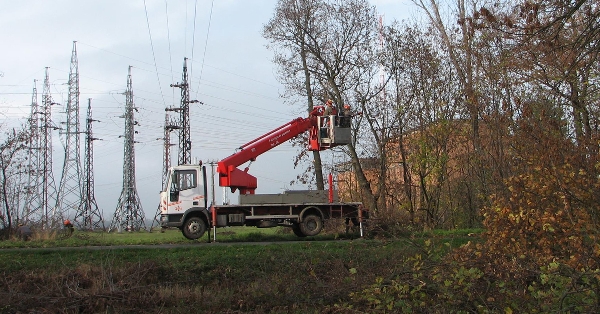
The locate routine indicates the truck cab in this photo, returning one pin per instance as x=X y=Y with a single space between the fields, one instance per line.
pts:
x=185 y=193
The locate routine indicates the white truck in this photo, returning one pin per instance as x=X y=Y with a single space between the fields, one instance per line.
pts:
x=184 y=201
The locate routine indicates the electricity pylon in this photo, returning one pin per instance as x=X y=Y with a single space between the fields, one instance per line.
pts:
x=185 y=141
x=88 y=216
x=169 y=126
x=49 y=194
x=32 y=189
x=69 y=191
x=129 y=215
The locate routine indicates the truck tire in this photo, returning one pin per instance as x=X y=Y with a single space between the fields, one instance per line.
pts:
x=297 y=231
x=194 y=228
x=311 y=225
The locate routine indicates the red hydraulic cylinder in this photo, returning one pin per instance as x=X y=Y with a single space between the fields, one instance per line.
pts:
x=213 y=212
x=330 y=177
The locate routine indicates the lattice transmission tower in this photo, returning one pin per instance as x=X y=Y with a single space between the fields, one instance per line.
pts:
x=129 y=215
x=69 y=191
x=89 y=216
x=32 y=188
x=185 y=141
x=41 y=188
x=49 y=194
x=170 y=125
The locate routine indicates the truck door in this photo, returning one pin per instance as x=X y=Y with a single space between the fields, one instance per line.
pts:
x=185 y=191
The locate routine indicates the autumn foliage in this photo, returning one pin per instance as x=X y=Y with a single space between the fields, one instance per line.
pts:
x=546 y=224
x=540 y=252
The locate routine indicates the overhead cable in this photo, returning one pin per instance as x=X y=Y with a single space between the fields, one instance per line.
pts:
x=212 y=3
x=153 y=55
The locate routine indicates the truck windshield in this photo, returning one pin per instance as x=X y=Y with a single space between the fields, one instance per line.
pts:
x=183 y=180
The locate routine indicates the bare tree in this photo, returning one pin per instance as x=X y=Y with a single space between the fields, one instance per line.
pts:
x=460 y=52
x=288 y=32
x=557 y=51
x=328 y=49
x=12 y=159
x=422 y=92
x=458 y=34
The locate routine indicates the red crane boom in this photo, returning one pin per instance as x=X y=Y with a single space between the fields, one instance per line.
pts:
x=231 y=176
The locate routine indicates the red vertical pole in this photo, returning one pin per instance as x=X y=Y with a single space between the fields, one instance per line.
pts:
x=330 y=177
x=213 y=211
x=360 y=220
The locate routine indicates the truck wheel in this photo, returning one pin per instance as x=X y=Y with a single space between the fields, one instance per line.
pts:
x=311 y=225
x=297 y=231
x=194 y=228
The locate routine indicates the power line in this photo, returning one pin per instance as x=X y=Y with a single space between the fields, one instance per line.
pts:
x=153 y=55
x=169 y=42
x=205 y=46
x=194 y=36
x=171 y=70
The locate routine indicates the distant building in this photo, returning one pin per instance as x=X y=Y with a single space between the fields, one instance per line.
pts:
x=428 y=182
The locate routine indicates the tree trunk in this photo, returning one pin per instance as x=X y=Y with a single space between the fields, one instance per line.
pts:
x=407 y=179
x=316 y=154
x=383 y=174
x=363 y=183
x=5 y=198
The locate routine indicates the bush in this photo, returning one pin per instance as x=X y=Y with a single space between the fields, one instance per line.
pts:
x=541 y=248
x=392 y=223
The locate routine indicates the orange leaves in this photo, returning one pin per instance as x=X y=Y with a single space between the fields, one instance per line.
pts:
x=546 y=216
x=547 y=213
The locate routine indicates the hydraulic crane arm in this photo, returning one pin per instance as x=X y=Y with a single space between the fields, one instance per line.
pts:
x=231 y=176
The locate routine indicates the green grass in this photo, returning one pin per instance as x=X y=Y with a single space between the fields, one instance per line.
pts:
x=84 y=248
x=82 y=238
x=216 y=254
x=169 y=236
x=453 y=232
x=244 y=277
x=282 y=277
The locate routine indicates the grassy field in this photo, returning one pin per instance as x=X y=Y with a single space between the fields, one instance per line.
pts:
x=169 y=236
x=282 y=277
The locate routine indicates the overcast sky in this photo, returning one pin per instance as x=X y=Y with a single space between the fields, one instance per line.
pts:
x=230 y=67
